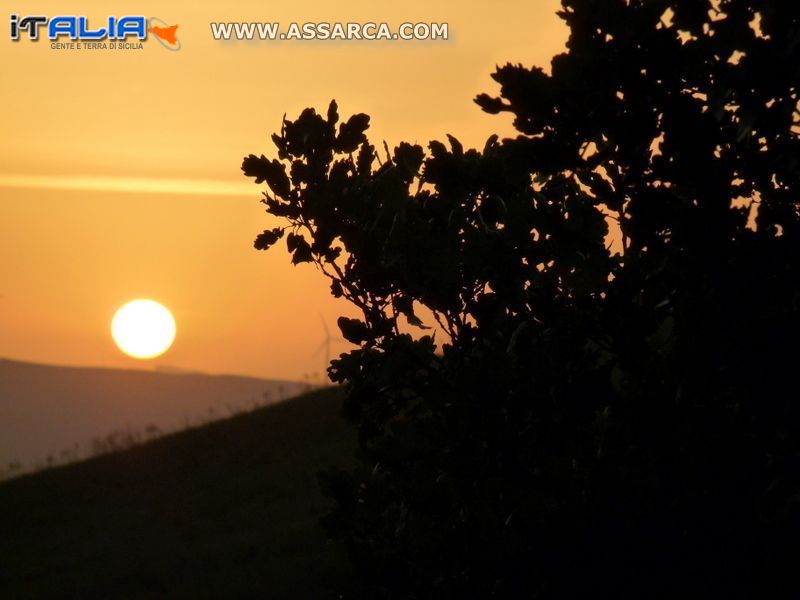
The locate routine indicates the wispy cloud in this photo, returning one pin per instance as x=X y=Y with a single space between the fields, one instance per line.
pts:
x=142 y=185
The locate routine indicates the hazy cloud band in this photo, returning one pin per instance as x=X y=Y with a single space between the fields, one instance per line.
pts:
x=143 y=185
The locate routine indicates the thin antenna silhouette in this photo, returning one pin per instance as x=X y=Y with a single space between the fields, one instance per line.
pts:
x=326 y=345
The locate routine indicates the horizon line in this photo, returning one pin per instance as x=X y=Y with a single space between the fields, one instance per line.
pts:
x=162 y=369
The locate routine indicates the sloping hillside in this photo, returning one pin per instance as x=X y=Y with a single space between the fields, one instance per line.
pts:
x=228 y=510
x=57 y=412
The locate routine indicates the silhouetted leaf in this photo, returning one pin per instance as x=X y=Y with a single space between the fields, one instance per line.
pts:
x=408 y=159
x=267 y=238
x=351 y=133
x=353 y=330
x=455 y=145
x=299 y=248
x=333 y=114
x=366 y=156
x=273 y=172
x=490 y=105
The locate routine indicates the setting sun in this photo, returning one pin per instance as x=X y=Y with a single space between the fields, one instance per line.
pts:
x=143 y=329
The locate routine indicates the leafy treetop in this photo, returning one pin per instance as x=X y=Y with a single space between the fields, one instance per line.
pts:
x=592 y=421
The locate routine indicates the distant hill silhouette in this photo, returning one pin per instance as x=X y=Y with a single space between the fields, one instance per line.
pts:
x=47 y=410
x=227 y=510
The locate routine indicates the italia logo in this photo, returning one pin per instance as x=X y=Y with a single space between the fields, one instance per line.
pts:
x=76 y=28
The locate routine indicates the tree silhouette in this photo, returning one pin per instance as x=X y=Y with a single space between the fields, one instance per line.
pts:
x=622 y=424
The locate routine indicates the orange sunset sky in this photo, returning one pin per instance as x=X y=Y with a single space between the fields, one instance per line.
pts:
x=120 y=176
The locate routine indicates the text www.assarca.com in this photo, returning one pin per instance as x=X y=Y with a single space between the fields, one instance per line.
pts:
x=271 y=31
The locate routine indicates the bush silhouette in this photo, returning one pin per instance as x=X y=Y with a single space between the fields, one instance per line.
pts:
x=621 y=423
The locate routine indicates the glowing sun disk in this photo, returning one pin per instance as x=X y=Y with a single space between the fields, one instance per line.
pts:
x=143 y=329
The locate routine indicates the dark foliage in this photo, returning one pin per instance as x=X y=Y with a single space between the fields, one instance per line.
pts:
x=608 y=423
